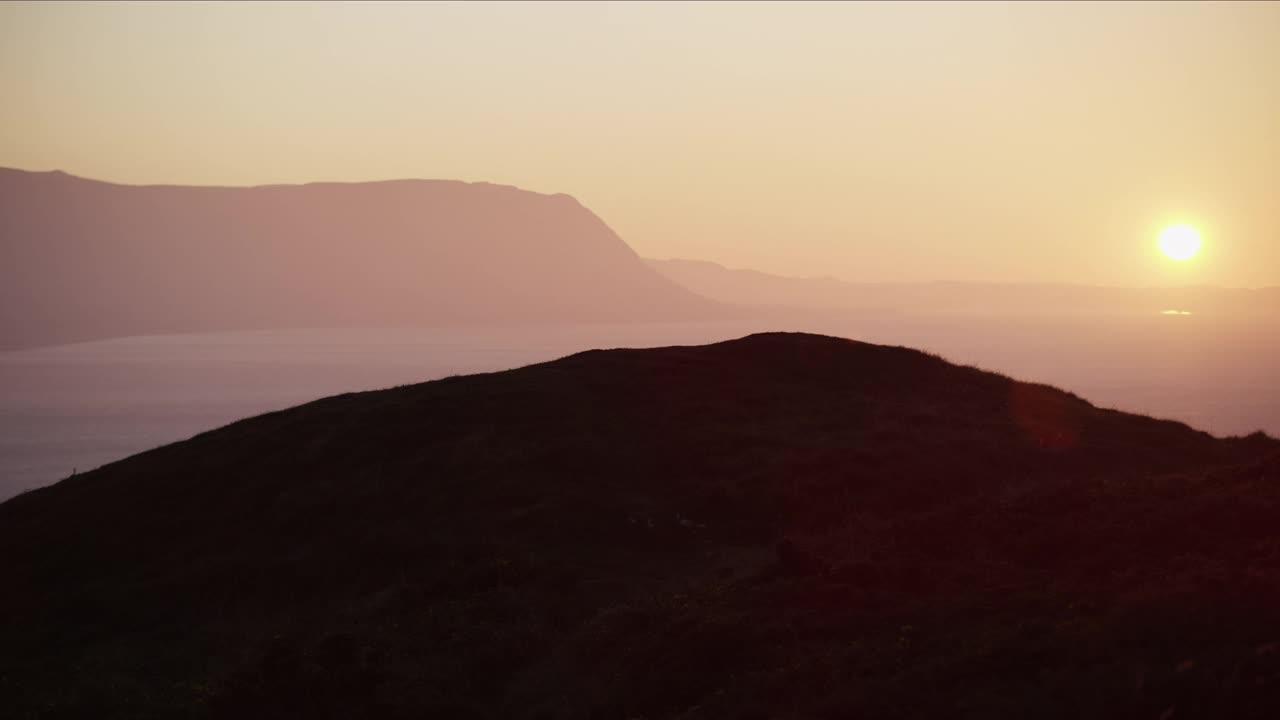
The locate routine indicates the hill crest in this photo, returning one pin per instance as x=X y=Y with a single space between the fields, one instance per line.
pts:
x=783 y=521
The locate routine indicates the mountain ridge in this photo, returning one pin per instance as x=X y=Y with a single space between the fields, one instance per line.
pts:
x=748 y=286
x=86 y=259
x=58 y=173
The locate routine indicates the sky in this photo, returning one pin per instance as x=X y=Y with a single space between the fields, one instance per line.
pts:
x=1023 y=142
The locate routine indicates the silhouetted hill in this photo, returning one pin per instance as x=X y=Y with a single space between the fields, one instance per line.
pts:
x=83 y=259
x=751 y=287
x=784 y=525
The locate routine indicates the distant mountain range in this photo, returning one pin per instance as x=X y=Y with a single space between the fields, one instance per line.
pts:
x=82 y=259
x=753 y=288
x=784 y=525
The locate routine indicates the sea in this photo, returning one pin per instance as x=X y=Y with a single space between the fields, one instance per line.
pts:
x=71 y=408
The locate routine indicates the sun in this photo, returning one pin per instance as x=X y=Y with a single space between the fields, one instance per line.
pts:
x=1180 y=242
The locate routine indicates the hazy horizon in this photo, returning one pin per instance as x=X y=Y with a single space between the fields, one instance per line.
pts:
x=714 y=261
x=77 y=406
x=1036 y=142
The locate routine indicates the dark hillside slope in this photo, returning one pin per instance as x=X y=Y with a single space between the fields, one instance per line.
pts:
x=82 y=259
x=779 y=526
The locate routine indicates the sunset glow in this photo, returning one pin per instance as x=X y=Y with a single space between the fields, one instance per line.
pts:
x=861 y=133
x=1180 y=242
x=678 y=359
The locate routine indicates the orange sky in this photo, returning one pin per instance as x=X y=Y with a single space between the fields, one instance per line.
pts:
x=913 y=141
